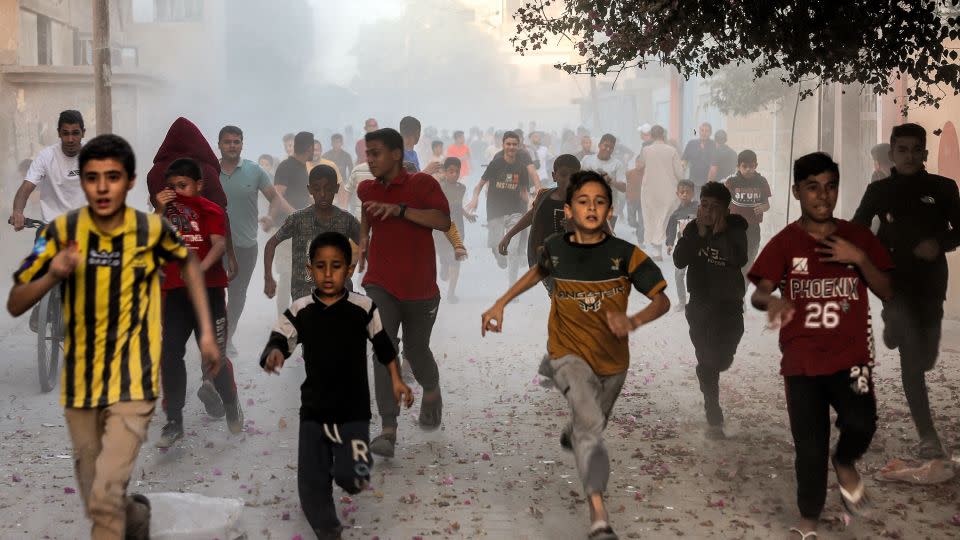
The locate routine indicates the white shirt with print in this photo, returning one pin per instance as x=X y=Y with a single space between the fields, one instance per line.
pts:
x=58 y=177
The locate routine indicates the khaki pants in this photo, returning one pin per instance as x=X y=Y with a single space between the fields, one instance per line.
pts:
x=282 y=263
x=106 y=441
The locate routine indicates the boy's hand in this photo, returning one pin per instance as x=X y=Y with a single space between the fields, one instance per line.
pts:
x=702 y=228
x=274 y=362
x=469 y=216
x=927 y=250
x=620 y=324
x=779 y=312
x=838 y=250
x=402 y=393
x=362 y=256
x=492 y=320
x=504 y=246
x=381 y=210
x=266 y=223
x=460 y=253
x=210 y=356
x=164 y=198
x=669 y=250
x=432 y=168
x=720 y=225
x=65 y=262
x=270 y=287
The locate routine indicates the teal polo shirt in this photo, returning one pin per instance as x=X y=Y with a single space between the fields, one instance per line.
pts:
x=242 y=189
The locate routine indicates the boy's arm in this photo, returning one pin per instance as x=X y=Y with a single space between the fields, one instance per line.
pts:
x=495 y=313
x=218 y=246
x=534 y=177
x=386 y=354
x=780 y=311
x=951 y=238
x=737 y=244
x=522 y=224
x=672 y=228
x=283 y=340
x=269 y=284
x=867 y=208
x=842 y=251
x=472 y=205
x=209 y=350
x=687 y=247
x=453 y=236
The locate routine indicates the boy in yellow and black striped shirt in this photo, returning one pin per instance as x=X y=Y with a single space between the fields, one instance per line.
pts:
x=106 y=258
x=587 y=341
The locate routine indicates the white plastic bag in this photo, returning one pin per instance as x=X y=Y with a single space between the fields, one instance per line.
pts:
x=190 y=516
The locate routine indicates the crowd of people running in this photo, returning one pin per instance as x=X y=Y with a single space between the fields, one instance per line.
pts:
x=137 y=285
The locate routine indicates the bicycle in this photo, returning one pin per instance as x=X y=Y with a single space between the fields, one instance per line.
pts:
x=50 y=331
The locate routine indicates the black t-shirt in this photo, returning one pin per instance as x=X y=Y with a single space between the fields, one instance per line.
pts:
x=334 y=340
x=504 y=184
x=293 y=174
x=725 y=159
x=548 y=219
x=699 y=160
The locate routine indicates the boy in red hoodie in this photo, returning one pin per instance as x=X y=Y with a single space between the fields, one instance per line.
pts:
x=202 y=225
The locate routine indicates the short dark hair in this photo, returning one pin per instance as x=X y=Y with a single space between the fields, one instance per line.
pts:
x=452 y=162
x=331 y=238
x=109 y=146
x=409 y=125
x=608 y=137
x=187 y=167
x=812 y=165
x=302 y=142
x=686 y=183
x=435 y=144
x=720 y=136
x=747 y=156
x=657 y=132
x=582 y=178
x=230 y=130
x=908 y=130
x=322 y=172
x=716 y=190
x=510 y=135
x=566 y=161
x=70 y=116
x=336 y=137
x=457 y=133
x=288 y=137
x=390 y=138
x=267 y=157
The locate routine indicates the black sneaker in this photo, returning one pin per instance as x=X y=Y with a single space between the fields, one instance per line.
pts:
x=565 y=442
x=234 y=416
x=211 y=399
x=929 y=448
x=170 y=433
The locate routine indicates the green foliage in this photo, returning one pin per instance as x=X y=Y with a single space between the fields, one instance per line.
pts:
x=736 y=90
x=816 y=41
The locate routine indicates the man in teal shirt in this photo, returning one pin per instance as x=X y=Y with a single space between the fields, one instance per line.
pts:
x=242 y=181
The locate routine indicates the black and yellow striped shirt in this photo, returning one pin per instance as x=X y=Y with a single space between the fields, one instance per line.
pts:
x=111 y=304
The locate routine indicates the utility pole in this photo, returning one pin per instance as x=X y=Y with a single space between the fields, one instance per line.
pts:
x=101 y=66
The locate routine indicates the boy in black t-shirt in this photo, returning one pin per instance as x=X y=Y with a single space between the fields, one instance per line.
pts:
x=751 y=199
x=450 y=253
x=334 y=326
x=684 y=214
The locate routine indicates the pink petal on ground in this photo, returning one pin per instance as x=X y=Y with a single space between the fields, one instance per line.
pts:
x=485 y=456
x=285 y=516
x=955 y=520
x=466 y=502
x=472 y=360
x=16 y=478
x=296 y=537
x=448 y=481
x=346 y=500
x=217 y=472
x=249 y=402
x=265 y=453
x=69 y=490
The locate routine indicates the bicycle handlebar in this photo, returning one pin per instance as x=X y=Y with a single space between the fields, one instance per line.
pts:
x=29 y=223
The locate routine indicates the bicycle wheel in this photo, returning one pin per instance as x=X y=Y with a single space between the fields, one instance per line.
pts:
x=48 y=340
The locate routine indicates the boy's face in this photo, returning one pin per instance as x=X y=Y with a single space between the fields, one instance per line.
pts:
x=323 y=191
x=451 y=174
x=685 y=194
x=288 y=147
x=747 y=170
x=317 y=149
x=230 y=146
x=818 y=196
x=265 y=165
x=380 y=159
x=710 y=211
x=458 y=140
x=337 y=144
x=561 y=176
x=105 y=184
x=908 y=155
x=586 y=143
x=589 y=209
x=329 y=270
x=510 y=148
x=70 y=137
x=185 y=186
x=437 y=149
x=605 y=150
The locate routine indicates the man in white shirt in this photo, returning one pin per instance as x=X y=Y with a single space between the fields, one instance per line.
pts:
x=56 y=172
x=612 y=168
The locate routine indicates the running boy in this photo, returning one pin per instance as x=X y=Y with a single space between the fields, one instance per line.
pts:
x=824 y=267
x=714 y=248
x=450 y=250
x=919 y=217
x=107 y=258
x=302 y=226
x=676 y=225
x=588 y=328
x=751 y=199
x=333 y=325
x=202 y=226
x=546 y=218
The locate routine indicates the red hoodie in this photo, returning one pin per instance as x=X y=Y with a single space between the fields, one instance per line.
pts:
x=184 y=140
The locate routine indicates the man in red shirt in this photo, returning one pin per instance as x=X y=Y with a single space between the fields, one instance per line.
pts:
x=401 y=210
x=202 y=225
x=823 y=267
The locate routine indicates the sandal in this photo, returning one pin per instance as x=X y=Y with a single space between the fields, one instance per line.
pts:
x=804 y=535
x=431 y=409
x=855 y=501
x=601 y=530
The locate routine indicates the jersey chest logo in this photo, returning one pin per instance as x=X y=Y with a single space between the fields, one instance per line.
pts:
x=104 y=258
x=616 y=263
x=926 y=199
x=800 y=266
x=591 y=304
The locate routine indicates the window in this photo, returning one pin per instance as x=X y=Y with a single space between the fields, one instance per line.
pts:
x=147 y=11
x=44 y=41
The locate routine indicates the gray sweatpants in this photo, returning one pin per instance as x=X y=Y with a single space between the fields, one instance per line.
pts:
x=591 y=398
